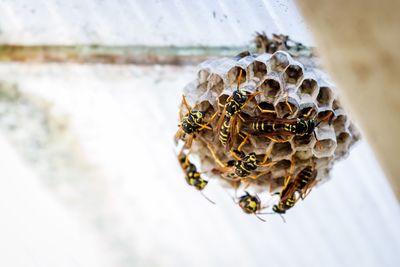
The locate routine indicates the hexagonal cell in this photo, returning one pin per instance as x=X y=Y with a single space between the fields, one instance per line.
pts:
x=281 y=151
x=266 y=108
x=276 y=184
x=302 y=143
x=215 y=83
x=280 y=169
x=324 y=148
x=279 y=61
x=336 y=104
x=271 y=88
x=323 y=162
x=325 y=96
x=325 y=116
x=287 y=107
x=355 y=133
x=343 y=140
x=309 y=87
x=340 y=123
x=309 y=111
x=326 y=143
x=245 y=61
x=343 y=137
x=202 y=76
x=294 y=74
x=302 y=155
x=259 y=69
x=259 y=144
x=233 y=76
x=223 y=98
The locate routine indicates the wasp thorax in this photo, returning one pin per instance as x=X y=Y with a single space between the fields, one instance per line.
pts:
x=196 y=116
x=239 y=97
x=251 y=158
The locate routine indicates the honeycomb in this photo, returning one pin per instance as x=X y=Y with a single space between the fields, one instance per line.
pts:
x=289 y=89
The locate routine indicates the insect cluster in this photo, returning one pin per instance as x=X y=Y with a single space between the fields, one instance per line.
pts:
x=262 y=123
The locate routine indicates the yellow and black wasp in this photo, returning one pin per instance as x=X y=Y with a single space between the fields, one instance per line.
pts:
x=305 y=180
x=251 y=205
x=287 y=199
x=277 y=128
x=302 y=184
x=192 y=176
x=227 y=124
x=243 y=165
x=191 y=123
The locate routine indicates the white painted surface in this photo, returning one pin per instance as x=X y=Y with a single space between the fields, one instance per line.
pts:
x=147 y=22
x=134 y=201
x=35 y=229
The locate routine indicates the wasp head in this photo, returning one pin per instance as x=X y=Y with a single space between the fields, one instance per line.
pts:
x=250 y=158
x=311 y=126
x=277 y=209
x=200 y=184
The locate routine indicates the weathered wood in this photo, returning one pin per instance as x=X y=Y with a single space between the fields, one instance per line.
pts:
x=359 y=41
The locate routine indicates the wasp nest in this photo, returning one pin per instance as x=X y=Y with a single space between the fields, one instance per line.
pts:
x=286 y=90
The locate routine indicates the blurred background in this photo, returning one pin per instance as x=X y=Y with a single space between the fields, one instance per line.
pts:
x=89 y=96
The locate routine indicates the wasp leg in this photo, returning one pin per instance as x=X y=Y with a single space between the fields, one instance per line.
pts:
x=235 y=155
x=243 y=143
x=279 y=140
x=250 y=97
x=319 y=146
x=265 y=110
x=189 y=141
x=185 y=103
x=329 y=117
x=239 y=79
x=254 y=177
x=217 y=160
x=241 y=118
x=267 y=154
x=291 y=171
x=205 y=126
x=308 y=114
x=287 y=103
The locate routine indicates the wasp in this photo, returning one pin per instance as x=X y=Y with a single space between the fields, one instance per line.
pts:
x=227 y=123
x=286 y=201
x=251 y=205
x=276 y=128
x=301 y=184
x=304 y=181
x=243 y=164
x=192 y=176
x=191 y=123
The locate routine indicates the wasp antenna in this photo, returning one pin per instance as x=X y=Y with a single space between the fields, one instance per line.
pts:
x=185 y=103
x=207 y=198
x=273 y=213
x=239 y=79
x=283 y=218
x=315 y=135
x=261 y=219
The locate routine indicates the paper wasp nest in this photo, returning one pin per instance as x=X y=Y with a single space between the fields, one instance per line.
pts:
x=283 y=81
